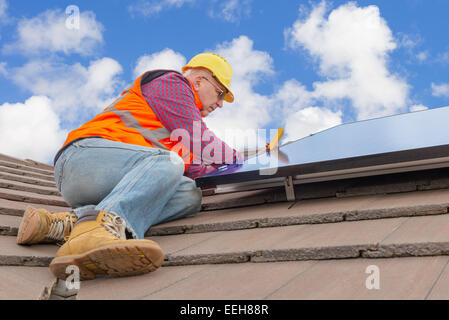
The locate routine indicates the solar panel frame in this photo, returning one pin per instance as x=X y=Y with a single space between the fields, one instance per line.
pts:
x=330 y=165
x=423 y=127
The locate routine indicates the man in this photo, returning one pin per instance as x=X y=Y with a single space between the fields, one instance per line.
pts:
x=121 y=174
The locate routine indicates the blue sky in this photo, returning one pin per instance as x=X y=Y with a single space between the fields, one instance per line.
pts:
x=303 y=65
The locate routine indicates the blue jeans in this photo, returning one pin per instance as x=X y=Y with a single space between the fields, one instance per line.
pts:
x=144 y=186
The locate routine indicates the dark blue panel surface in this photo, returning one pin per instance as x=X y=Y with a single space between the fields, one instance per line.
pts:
x=407 y=131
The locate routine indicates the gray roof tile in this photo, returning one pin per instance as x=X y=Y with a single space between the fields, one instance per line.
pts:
x=12 y=254
x=31 y=197
x=403 y=278
x=25 y=283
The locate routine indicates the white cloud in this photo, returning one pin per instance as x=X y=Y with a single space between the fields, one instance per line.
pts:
x=351 y=47
x=151 y=7
x=293 y=96
x=301 y=117
x=408 y=41
x=3 y=70
x=3 y=8
x=30 y=129
x=440 y=90
x=310 y=120
x=443 y=57
x=48 y=32
x=76 y=92
x=418 y=107
x=422 y=56
x=62 y=94
x=411 y=43
x=165 y=59
x=247 y=64
x=231 y=10
x=4 y=17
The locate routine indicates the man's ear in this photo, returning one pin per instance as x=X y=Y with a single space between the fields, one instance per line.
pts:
x=196 y=82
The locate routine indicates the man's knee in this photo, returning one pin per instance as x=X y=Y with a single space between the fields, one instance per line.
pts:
x=175 y=165
x=197 y=197
x=192 y=197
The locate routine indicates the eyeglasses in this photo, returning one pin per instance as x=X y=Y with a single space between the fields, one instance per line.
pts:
x=220 y=92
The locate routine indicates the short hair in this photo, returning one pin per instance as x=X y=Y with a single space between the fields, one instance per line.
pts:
x=197 y=71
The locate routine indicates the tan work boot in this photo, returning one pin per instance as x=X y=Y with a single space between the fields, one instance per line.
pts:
x=41 y=226
x=98 y=245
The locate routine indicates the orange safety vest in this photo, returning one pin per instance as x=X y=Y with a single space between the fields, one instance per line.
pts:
x=130 y=119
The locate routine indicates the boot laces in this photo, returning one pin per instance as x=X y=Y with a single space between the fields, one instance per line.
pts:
x=115 y=225
x=58 y=228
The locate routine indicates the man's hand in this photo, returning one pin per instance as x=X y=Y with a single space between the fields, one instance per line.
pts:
x=249 y=153
x=275 y=141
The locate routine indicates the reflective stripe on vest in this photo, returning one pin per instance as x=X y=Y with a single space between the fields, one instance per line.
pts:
x=152 y=136
x=129 y=121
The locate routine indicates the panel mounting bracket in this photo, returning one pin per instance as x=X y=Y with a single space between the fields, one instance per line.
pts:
x=289 y=188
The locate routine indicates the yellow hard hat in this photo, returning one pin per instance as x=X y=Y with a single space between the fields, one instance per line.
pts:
x=219 y=67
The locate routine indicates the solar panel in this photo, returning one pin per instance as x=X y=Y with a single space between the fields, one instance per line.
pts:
x=394 y=139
